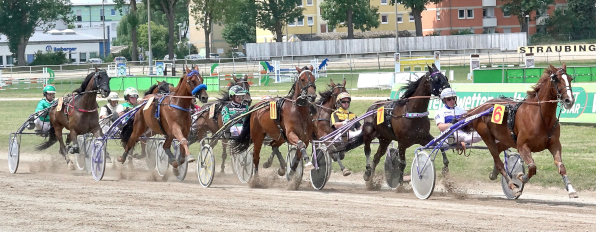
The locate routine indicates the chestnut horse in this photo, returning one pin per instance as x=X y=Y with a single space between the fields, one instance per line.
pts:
x=322 y=120
x=174 y=117
x=536 y=126
x=78 y=113
x=292 y=124
x=408 y=123
x=204 y=124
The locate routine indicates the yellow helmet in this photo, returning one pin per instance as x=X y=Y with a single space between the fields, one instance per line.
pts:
x=342 y=96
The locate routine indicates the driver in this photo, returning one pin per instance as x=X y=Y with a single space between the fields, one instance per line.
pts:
x=446 y=116
x=130 y=96
x=108 y=110
x=341 y=117
x=234 y=109
x=42 y=123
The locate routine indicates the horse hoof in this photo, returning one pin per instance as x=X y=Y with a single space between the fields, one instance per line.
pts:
x=267 y=165
x=121 y=159
x=346 y=172
x=573 y=195
x=445 y=171
x=493 y=175
x=175 y=171
x=516 y=192
x=174 y=164
x=71 y=165
x=520 y=176
x=366 y=177
x=281 y=171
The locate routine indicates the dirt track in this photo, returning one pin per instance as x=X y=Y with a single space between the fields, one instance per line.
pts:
x=44 y=196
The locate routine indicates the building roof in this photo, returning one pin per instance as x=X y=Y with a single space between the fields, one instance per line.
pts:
x=40 y=36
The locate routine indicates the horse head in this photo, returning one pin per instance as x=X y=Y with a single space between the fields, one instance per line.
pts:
x=102 y=82
x=305 y=89
x=243 y=82
x=438 y=81
x=336 y=89
x=195 y=84
x=561 y=85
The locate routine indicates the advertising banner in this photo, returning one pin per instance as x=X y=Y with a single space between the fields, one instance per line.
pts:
x=473 y=95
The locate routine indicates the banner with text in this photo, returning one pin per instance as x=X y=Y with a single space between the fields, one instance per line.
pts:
x=557 y=48
x=473 y=95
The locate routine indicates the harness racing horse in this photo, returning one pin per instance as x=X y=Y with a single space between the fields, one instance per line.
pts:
x=203 y=123
x=78 y=113
x=322 y=122
x=290 y=125
x=408 y=123
x=170 y=116
x=535 y=126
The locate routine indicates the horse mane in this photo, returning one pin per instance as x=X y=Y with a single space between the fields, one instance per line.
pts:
x=85 y=83
x=153 y=87
x=544 y=80
x=325 y=95
x=410 y=90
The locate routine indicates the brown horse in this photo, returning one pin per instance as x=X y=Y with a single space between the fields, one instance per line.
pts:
x=292 y=124
x=204 y=124
x=408 y=123
x=174 y=117
x=322 y=120
x=78 y=113
x=536 y=126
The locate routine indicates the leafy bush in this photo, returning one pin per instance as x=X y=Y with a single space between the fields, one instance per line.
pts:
x=434 y=33
x=50 y=58
x=462 y=32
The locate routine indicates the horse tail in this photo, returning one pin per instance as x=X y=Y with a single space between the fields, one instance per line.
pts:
x=243 y=142
x=126 y=131
x=355 y=142
x=51 y=140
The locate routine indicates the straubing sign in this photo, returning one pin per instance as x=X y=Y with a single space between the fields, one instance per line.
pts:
x=558 y=48
x=473 y=95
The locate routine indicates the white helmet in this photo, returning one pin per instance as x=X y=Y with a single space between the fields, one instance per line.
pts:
x=448 y=92
x=113 y=96
x=131 y=91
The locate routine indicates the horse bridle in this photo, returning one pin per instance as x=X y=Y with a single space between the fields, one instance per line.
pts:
x=554 y=80
x=244 y=84
x=304 y=98
x=338 y=86
x=96 y=89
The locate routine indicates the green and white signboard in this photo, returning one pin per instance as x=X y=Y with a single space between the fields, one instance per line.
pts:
x=473 y=95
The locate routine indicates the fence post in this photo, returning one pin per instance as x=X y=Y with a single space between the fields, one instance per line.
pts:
x=378 y=61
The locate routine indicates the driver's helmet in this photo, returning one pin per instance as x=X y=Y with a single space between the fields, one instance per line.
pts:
x=448 y=92
x=49 y=89
x=113 y=96
x=130 y=91
x=236 y=91
x=342 y=96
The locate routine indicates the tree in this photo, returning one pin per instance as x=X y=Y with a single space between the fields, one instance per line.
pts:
x=240 y=22
x=273 y=15
x=159 y=39
x=560 y=24
x=584 y=12
x=168 y=7
x=20 y=18
x=206 y=13
x=133 y=22
x=521 y=8
x=417 y=6
x=352 y=13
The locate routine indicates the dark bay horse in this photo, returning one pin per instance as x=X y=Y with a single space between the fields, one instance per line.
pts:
x=536 y=126
x=292 y=123
x=174 y=117
x=322 y=120
x=78 y=113
x=204 y=124
x=408 y=123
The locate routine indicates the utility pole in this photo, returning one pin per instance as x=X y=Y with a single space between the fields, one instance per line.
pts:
x=103 y=22
x=149 y=32
x=396 y=31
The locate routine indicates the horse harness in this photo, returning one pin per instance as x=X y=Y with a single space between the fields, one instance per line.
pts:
x=157 y=111
x=338 y=86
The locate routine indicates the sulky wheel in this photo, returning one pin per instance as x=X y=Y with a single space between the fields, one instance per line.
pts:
x=299 y=169
x=182 y=168
x=151 y=150
x=161 y=159
x=320 y=175
x=244 y=165
x=14 y=150
x=206 y=166
x=98 y=159
x=514 y=165
x=393 y=173
x=88 y=152
x=80 y=157
x=423 y=175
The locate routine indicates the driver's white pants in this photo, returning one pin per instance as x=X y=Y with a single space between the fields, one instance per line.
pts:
x=467 y=137
x=236 y=130
x=352 y=134
x=41 y=125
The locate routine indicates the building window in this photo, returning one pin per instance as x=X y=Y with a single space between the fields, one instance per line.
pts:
x=300 y=4
x=383 y=2
x=300 y=21
x=309 y=2
x=384 y=19
x=506 y=30
x=310 y=20
x=412 y=19
x=461 y=14
x=438 y=15
x=470 y=13
x=79 y=17
x=79 y=26
x=400 y=18
x=101 y=15
x=506 y=14
x=113 y=12
x=83 y=57
x=1 y=60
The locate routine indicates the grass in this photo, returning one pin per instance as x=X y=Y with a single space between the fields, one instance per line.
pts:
x=577 y=141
